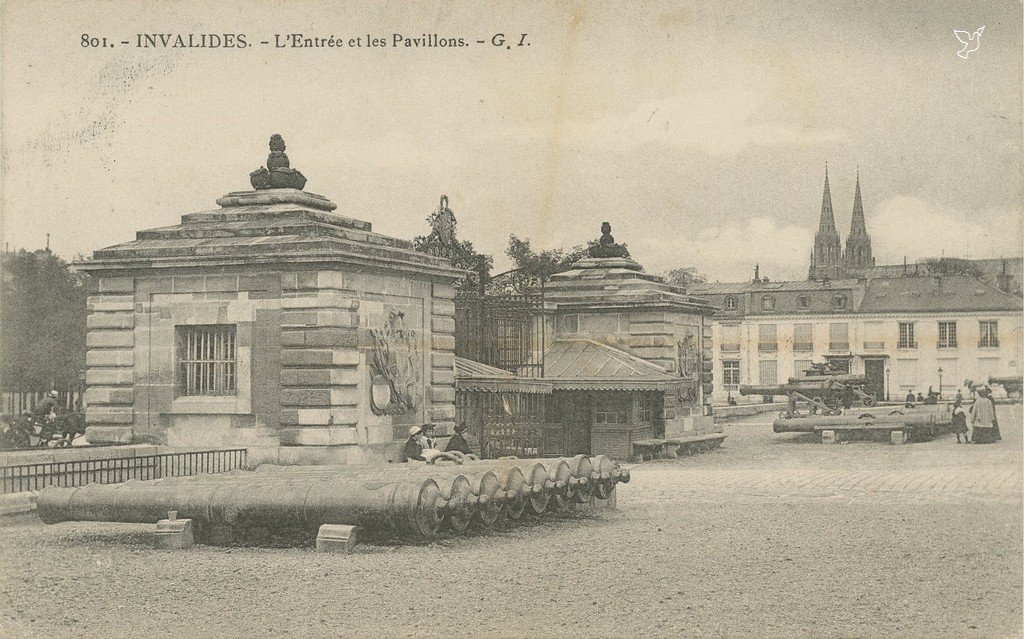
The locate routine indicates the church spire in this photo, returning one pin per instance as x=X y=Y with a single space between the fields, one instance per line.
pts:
x=857 y=226
x=826 y=260
x=858 y=244
x=827 y=224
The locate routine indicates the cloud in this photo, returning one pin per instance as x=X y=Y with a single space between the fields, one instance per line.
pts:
x=728 y=253
x=908 y=226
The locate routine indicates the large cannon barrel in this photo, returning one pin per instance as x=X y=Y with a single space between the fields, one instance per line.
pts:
x=806 y=388
x=581 y=485
x=535 y=474
x=409 y=508
x=560 y=475
x=851 y=380
x=922 y=416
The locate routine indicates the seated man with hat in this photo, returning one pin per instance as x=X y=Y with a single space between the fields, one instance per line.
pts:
x=458 y=442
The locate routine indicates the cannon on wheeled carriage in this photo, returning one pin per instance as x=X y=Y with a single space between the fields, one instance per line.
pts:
x=1012 y=385
x=817 y=395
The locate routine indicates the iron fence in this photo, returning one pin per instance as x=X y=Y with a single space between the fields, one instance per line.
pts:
x=24 y=477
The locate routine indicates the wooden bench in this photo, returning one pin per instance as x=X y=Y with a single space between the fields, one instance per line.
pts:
x=647 y=449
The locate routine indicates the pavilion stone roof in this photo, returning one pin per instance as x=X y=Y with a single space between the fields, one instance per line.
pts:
x=266 y=227
x=596 y=282
x=580 y=364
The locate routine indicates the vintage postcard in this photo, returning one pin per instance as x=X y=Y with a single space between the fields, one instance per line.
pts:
x=511 y=319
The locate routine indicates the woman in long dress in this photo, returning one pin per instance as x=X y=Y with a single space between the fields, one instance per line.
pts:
x=983 y=429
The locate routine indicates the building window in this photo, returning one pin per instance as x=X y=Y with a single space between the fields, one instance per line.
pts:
x=206 y=359
x=906 y=336
x=730 y=373
x=803 y=302
x=730 y=303
x=768 y=303
x=839 y=301
x=874 y=336
x=947 y=334
x=730 y=338
x=839 y=336
x=769 y=371
x=569 y=323
x=803 y=338
x=766 y=338
x=800 y=367
x=989 y=334
x=611 y=411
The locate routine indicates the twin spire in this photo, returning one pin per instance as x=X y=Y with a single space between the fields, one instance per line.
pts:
x=828 y=260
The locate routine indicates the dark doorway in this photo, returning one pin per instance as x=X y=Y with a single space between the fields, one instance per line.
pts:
x=874 y=370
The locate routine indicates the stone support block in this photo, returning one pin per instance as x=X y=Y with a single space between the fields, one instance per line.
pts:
x=829 y=437
x=337 y=538
x=897 y=437
x=173 y=533
x=109 y=339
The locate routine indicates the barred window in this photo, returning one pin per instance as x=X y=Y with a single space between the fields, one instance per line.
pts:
x=766 y=338
x=989 y=334
x=206 y=359
x=838 y=337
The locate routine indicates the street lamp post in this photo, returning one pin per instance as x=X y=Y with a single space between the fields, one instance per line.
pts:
x=888 y=375
x=940 y=382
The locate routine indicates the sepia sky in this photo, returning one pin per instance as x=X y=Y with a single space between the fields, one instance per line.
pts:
x=698 y=130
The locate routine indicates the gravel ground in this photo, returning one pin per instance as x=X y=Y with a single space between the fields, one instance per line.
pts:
x=771 y=536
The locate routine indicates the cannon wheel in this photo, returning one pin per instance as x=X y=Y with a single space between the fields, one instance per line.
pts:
x=784 y=414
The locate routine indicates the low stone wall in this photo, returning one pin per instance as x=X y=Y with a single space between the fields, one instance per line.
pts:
x=76 y=453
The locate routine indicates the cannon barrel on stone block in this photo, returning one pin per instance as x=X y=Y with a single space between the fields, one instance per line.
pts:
x=938 y=415
x=407 y=508
x=784 y=389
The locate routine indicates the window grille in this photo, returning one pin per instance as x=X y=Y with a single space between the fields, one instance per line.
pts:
x=803 y=338
x=839 y=337
x=767 y=341
x=206 y=359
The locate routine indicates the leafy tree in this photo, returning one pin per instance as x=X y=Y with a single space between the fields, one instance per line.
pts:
x=42 y=322
x=544 y=264
x=685 y=276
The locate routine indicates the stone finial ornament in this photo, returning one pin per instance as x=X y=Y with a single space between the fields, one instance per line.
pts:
x=606 y=246
x=278 y=173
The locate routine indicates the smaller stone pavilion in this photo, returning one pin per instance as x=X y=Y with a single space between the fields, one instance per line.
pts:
x=270 y=322
x=626 y=357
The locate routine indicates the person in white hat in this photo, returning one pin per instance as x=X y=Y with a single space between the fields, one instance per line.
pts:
x=413 y=449
x=47 y=409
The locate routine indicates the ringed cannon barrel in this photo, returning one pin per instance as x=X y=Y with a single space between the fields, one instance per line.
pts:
x=560 y=476
x=581 y=485
x=865 y=420
x=408 y=508
x=535 y=474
